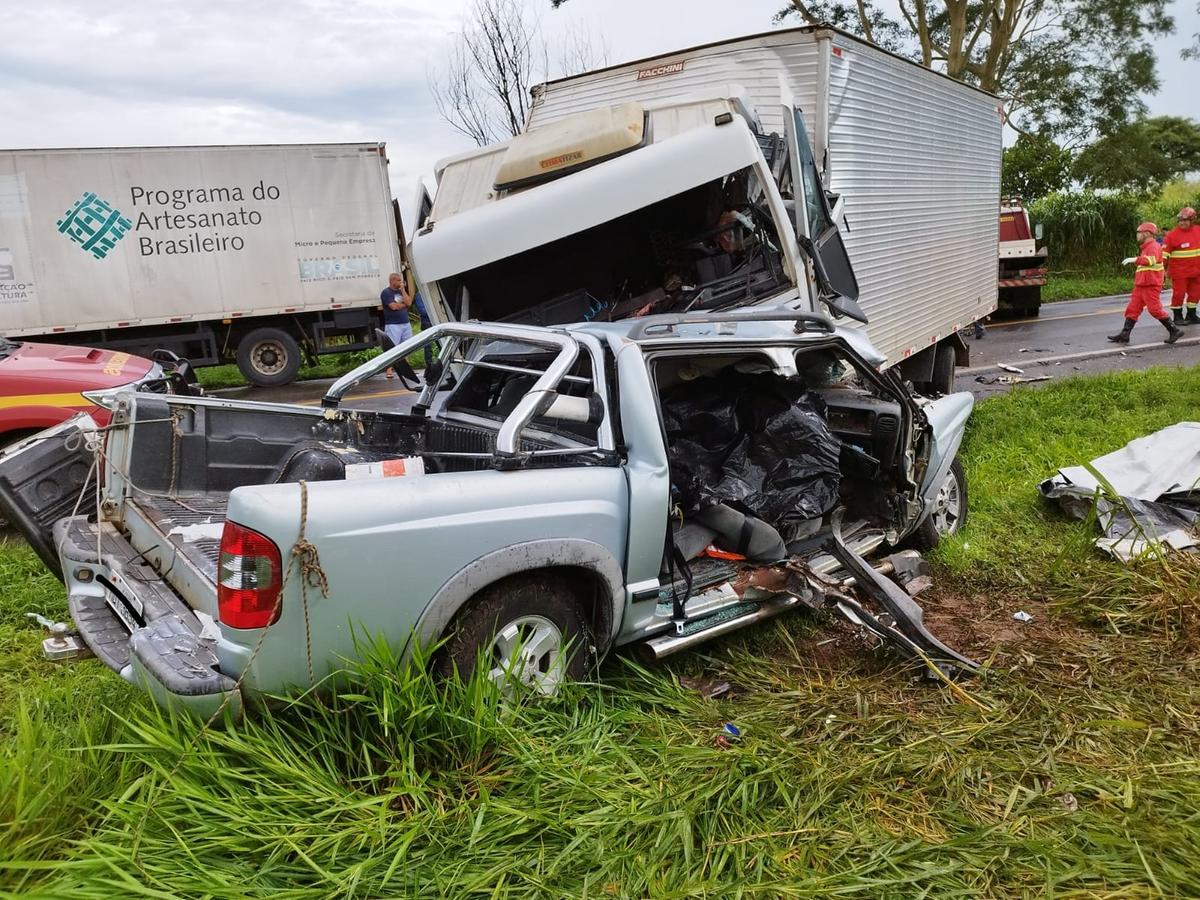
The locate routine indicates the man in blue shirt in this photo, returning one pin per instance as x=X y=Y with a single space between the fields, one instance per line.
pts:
x=395 y=302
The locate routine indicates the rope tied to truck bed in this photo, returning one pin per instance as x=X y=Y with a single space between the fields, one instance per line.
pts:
x=176 y=437
x=312 y=576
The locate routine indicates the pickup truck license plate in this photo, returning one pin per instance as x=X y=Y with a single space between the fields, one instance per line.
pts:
x=122 y=613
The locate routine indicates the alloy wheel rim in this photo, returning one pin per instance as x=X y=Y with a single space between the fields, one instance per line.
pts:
x=947 y=506
x=528 y=651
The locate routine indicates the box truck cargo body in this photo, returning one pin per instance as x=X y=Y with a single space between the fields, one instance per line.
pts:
x=218 y=253
x=913 y=155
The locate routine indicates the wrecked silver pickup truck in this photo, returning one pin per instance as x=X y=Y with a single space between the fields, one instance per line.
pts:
x=553 y=494
x=659 y=439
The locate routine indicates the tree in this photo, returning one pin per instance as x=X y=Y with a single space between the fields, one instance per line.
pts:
x=1141 y=157
x=483 y=91
x=1033 y=167
x=1068 y=68
x=1193 y=52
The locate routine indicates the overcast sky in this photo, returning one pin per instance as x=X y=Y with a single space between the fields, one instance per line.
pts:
x=128 y=72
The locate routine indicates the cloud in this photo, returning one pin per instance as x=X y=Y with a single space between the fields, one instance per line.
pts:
x=299 y=55
x=129 y=72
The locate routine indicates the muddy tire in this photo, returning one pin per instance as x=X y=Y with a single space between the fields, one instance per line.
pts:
x=269 y=357
x=949 y=512
x=528 y=627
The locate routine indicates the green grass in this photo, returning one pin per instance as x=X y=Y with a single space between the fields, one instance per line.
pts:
x=332 y=365
x=1084 y=285
x=1095 y=283
x=1078 y=777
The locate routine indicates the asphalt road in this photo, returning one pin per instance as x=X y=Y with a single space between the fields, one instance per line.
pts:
x=379 y=394
x=1066 y=339
x=1070 y=338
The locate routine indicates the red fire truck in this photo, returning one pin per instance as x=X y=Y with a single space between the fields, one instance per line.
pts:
x=1022 y=261
x=44 y=384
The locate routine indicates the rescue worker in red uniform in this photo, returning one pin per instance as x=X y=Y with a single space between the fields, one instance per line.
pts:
x=1181 y=250
x=1147 y=287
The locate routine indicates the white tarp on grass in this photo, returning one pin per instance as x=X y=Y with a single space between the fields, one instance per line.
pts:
x=1152 y=497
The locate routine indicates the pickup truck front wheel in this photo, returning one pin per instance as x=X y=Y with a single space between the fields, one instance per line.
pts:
x=527 y=630
x=949 y=512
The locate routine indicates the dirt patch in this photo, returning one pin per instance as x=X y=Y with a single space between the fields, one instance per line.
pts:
x=984 y=626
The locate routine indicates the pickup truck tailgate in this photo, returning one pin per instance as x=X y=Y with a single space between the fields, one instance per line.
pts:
x=40 y=482
x=133 y=621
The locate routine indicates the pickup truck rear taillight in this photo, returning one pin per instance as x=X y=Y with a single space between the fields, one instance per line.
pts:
x=249 y=574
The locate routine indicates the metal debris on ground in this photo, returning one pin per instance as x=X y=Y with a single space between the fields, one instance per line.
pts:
x=1146 y=495
x=1022 y=616
x=729 y=735
x=919 y=584
x=705 y=687
x=1010 y=379
x=1007 y=368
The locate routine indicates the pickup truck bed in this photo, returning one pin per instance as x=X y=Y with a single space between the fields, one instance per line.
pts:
x=181 y=521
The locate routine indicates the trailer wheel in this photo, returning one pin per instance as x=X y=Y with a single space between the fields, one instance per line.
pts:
x=268 y=357
x=1033 y=302
x=943 y=369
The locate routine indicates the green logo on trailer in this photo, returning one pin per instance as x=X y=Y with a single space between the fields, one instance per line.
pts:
x=94 y=225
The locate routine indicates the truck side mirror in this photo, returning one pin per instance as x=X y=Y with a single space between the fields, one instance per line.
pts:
x=1037 y=231
x=844 y=306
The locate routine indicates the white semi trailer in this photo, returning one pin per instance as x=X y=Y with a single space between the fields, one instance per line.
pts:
x=904 y=165
x=257 y=254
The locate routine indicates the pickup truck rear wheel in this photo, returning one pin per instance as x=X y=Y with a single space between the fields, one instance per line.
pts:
x=949 y=512
x=528 y=630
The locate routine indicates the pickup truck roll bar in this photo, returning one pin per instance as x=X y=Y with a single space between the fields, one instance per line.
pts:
x=668 y=321
x=535 y=401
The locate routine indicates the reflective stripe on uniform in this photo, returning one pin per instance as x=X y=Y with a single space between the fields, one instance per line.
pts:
x=1183 y=254
x=1157 y=267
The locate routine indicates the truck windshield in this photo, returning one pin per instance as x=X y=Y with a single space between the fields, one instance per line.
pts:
x=712 y=247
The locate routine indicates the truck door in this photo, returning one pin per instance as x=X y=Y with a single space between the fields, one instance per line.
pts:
x=814 y=217
x=423 y=205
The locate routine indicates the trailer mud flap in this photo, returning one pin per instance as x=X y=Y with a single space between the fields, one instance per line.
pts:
x=40 y=482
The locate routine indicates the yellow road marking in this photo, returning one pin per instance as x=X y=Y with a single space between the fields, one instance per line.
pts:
x=75 y=399
x=1099 y=312
x=399 y=393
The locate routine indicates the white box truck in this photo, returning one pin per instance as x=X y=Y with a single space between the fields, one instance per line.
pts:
x=901 y=168
x=257 y=254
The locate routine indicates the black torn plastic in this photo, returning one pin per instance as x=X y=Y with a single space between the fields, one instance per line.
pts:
x=757 y=442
